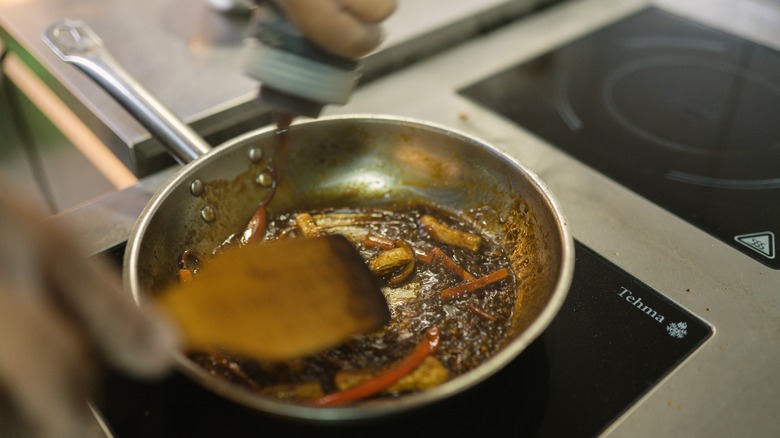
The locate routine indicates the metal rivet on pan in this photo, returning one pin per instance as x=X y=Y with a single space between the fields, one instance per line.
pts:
x=208 y=214
x=197 y=187
x=255 y=154
x=264 y=178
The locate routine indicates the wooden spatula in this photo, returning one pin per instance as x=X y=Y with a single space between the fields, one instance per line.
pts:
x=279 y=300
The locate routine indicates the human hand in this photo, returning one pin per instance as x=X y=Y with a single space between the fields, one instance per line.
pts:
x=62 y=316
x=347 y=28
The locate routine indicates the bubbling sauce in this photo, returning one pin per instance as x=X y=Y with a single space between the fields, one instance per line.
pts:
x=472 y=325
x=450 y=291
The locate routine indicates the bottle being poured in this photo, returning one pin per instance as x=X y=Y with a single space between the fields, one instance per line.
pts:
x=307 y=53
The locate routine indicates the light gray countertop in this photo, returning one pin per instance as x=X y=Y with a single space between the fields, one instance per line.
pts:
x=190 y=58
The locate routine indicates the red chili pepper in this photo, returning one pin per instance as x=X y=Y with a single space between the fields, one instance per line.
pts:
x=185 y=275
x=422 y=255
x=450 y=264
x=472 y=285
x=255 y=228
x=426 y=347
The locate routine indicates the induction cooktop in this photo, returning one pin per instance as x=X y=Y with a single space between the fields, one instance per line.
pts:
x=682 y=114
x=613 y=340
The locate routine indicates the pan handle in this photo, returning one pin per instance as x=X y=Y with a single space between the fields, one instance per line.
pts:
x=74 y=42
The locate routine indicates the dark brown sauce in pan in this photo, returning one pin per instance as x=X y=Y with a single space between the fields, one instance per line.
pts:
x=472 y=327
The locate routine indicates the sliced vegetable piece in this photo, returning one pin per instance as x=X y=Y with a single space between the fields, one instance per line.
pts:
x=390 y=260
x=354 y=234
x=407 y=270
x=307 y=226
x=387 y=243
x=294 y=391
x=448 y=235
x=426 y=347
x=461 y=289
x=402 y=275
x=335 y=220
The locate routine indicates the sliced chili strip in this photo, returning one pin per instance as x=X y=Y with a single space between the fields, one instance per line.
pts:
x=185 y=276
x=255 y=228
x=423 y=256
x=471 y=285
x=473 y=308
x=426 y=347
x=450 y=264
x=379 y=241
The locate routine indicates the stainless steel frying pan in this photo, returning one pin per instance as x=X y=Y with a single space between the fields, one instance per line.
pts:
x=333 y=161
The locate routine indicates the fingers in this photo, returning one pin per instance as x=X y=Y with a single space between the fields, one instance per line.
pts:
x=44 y=369
x=137 y=340
x=19 y=262
x=58 y=310
x=47 y=264
x=347 y=28
x=369 y=11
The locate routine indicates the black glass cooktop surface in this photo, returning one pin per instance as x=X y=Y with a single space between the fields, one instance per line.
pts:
x=682 y=114
x=613 y=340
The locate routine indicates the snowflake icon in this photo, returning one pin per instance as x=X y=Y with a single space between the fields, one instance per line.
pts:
x=677 y=329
